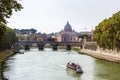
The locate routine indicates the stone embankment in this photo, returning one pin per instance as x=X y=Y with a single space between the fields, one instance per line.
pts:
x=103 y=56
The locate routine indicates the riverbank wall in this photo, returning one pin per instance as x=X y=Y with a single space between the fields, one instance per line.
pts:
x=4 y=56
x=91 y=48
x=102 y=56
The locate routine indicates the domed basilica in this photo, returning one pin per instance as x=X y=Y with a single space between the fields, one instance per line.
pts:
x=67 y=34
x=67 y=29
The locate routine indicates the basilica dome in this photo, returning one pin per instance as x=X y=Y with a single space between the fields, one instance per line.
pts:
x=68 y=27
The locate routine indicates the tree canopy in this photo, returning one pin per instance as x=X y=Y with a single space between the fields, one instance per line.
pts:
x=7 y=37
x=7 y=7
x=107 y=33
x=82 y=36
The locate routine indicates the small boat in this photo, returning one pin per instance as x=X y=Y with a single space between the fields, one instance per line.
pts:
x=74 y=67
x=21 y=51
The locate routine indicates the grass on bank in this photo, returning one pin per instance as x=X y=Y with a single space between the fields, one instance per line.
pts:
x=77 y=49
x=3 y=56
x=64 y=47
x=59 y=47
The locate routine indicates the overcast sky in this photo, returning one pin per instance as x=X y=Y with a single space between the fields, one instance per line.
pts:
x=52 y=15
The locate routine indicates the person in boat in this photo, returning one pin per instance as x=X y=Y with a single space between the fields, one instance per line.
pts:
x=71 y=65
x=75 y=67
x=68 y=64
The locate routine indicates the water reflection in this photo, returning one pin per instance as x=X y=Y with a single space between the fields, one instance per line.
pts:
x=105 y=70
x=73 y=74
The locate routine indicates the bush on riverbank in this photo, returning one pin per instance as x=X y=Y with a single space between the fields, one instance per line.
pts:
x=77 y=49
x=3 y=56
x=59 y=47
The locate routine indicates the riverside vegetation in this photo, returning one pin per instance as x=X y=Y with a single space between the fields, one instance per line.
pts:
x=4 y=55
x=7 y=35
x=107 y=37
x=77 y=49
x=107 y=33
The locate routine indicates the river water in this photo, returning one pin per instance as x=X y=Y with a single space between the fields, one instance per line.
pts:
x=51 y=65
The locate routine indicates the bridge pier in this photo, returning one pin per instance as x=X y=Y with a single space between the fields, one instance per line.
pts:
x=27 y=47
x=41 y=46
x=68 y=47
x=54 y=47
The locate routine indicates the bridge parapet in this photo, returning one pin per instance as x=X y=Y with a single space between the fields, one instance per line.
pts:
x=58 y=43
x=54 y=44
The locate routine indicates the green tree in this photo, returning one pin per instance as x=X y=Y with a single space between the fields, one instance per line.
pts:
x=107 y=33
x=8 y=38
x=7 y=7
x=82 y=36
x=2 y=30
x=7 y=35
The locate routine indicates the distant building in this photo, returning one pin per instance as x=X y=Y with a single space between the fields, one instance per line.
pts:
x=67 y=34
x=42 y=37
x=30 y=35
x=89 y=35
x=25 y=31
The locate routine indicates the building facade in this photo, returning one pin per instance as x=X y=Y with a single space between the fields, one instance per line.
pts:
x=67 y=34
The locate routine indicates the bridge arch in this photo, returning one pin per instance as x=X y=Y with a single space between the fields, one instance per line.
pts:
x=54 y=45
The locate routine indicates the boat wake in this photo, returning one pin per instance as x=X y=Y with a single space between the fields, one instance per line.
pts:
x=62 y=66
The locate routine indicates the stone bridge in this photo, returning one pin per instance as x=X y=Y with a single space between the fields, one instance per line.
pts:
x=68 y=44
